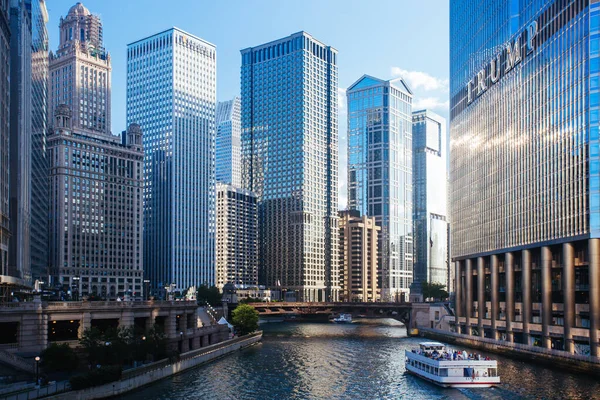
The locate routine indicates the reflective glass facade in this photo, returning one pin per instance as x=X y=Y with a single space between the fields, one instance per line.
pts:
x=524 y=116
x=290 y=150
x=19 y=261
x=228 y=148
x=525 y=171
x=380 y=174
x=171 y=94
x=430 y=198
x=39 y=126
x=4 y=134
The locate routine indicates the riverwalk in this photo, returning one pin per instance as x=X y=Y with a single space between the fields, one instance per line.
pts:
x=135 y=378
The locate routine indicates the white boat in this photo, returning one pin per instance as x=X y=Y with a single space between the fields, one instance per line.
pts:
x=449 y=368
x=343 y=319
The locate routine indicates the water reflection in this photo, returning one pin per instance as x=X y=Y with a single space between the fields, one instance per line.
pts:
x=358 y=361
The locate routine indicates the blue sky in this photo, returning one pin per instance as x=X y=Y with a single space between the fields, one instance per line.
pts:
x=383 y=38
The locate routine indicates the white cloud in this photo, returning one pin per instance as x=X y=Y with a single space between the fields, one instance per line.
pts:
x=417 y=79
x=430 y=103
x=341 y=99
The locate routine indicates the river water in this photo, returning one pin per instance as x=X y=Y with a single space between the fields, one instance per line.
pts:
x=364 y=360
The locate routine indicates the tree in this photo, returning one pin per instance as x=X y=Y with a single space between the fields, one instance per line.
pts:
x=434 y=291
x=210 y=295
x=58 y=358
x=245 y=319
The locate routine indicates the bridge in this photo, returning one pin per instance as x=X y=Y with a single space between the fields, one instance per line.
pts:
x=398 y=311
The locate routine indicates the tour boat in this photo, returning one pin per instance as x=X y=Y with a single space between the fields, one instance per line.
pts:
x=449 y=368
x=343 y=319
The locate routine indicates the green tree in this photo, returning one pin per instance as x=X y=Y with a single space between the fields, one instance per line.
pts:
x=435 y=291
x=58 y=358
x=245 y=319
x=210 y=295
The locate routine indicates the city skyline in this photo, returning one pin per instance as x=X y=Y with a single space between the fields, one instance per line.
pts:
x=232 y=28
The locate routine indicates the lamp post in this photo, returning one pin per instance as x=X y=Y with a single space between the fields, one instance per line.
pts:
x=37 y=370
x=76 y=287
x=146 y=286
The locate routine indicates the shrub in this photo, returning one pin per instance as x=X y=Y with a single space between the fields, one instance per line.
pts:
x=58 y=358
x=96 y=377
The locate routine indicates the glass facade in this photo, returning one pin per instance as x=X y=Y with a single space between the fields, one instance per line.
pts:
x=430 y=198
x=39 y=126
x=19 y=261
x=290 y=151
x=228 y=162
x=524 y=123
x=525 y=171
x=171 y=94
x=380 y=174
x=4 y=135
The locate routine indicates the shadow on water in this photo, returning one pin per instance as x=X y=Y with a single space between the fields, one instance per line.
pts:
x=362 y=360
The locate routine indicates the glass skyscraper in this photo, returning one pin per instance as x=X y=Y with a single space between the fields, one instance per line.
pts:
x=171 y=94
x=228 y=148
x=289 y=145
x=39 y=126
x=525 y=170
x=4 y=136
x=380 y=174
x=19 y=261
x=430 y=198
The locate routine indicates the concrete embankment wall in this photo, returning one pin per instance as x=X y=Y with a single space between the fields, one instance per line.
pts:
x=552 y=358
x=136 y=378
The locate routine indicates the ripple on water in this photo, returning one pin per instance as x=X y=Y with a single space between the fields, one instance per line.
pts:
x=358 y=361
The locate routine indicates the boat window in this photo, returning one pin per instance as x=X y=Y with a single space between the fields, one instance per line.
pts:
x=492 y=372
x=443 y=372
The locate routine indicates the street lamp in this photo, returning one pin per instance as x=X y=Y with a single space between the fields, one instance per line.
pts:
x=76 y=286
x=37 y=370
x=146 y=285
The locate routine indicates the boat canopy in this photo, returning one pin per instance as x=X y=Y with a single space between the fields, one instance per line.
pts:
x=430 y=346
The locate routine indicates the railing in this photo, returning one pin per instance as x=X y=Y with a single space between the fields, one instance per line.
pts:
x=36 y=393
x=130 y=373
x=16 y=361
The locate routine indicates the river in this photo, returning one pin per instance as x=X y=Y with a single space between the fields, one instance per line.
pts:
x=364 y=360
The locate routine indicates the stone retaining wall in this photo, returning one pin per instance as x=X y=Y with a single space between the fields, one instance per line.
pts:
x=134 y=379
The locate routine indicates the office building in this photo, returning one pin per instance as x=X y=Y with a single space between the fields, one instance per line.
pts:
x=380 y=174
x=228 y=161
x=289 y=145
x=237 y=237
x=39 y=126
x=80 y=72
x=171 y=94
x=525 y=176
x=95 y=210
x=430 y=222
x=19 y=261
x=4 y=136
x=358 y=257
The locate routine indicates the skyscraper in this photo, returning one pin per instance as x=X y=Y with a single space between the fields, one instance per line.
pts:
x=380 y=174
x=237 y=236
x=228 y=163
x=80 y=72
x=171 y=94
x=39 y=126
x=95 y=210
x=429 y=198
x=95 y=178
x=4 y=135
x=358 y=257
x=525 y=171
x=19 y=261
x=289 y=145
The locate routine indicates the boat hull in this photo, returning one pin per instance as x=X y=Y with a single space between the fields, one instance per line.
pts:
x=454 y=384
